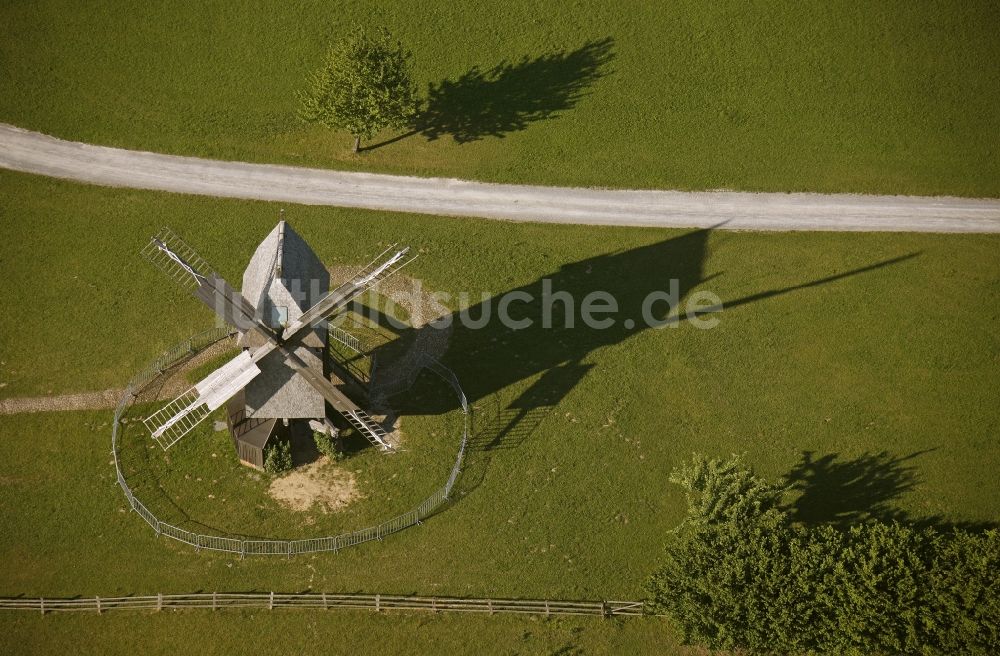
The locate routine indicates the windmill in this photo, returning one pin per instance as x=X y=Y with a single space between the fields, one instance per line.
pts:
x=279 y=374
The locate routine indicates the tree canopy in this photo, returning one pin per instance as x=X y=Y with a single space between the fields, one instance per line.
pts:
x=739 y=574
x=364 y=86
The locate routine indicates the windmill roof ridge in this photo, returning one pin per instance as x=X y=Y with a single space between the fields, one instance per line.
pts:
x=285 y=256
x=283 y=278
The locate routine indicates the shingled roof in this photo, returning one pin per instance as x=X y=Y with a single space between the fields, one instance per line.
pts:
x=283 y=279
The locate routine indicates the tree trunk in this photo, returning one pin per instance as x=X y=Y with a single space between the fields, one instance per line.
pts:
x=357 y=143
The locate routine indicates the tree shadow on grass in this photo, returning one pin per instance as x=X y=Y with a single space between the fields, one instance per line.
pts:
x=509 y=96
x=844 y=492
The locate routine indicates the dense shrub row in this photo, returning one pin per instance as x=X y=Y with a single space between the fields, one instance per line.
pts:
x=740 y=574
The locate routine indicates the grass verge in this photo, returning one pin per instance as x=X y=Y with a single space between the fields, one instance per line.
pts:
x=893 y=97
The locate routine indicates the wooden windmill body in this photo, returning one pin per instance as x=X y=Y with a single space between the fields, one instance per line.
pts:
x=279 y=377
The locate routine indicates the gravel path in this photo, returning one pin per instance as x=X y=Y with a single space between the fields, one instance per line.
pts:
x=83 y=401
x=173 y=383
x=32 y=152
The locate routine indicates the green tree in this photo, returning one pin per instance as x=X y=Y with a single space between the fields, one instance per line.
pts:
x=364 y=86
x=740 y=575
x=723 y=490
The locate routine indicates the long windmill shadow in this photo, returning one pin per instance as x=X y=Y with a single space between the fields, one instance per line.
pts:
x=552 y=355
x=551 y=349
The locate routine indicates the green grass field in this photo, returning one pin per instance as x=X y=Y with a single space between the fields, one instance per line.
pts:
x=336 y=632
x=891 y=97
x=199 y=486
x=864 y=366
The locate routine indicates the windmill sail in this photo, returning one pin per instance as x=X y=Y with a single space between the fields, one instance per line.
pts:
x=180 y=416
x=177 y=259
x=228 y=303
x=377 y=270
x=341 y=403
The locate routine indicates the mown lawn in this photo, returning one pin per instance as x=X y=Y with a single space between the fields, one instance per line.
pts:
x=865 y=367
x=198 y=484
x=334 y=632
x=889 y=97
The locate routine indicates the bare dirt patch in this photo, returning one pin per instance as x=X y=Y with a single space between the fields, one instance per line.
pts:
x=318 y=483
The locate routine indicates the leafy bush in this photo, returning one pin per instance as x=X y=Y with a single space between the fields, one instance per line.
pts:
x=964 y=597
x=740 y=575
x=723 y=490
x=327 y=446
x=278 y=456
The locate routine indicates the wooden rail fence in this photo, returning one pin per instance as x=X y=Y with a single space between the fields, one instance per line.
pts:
x=274 y=600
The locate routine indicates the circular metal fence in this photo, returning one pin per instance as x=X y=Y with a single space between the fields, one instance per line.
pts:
x=193 y=345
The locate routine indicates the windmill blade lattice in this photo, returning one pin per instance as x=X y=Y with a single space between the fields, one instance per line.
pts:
x=172 y=255
x=180 y=416
x=177 y=259
x=379 y=269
